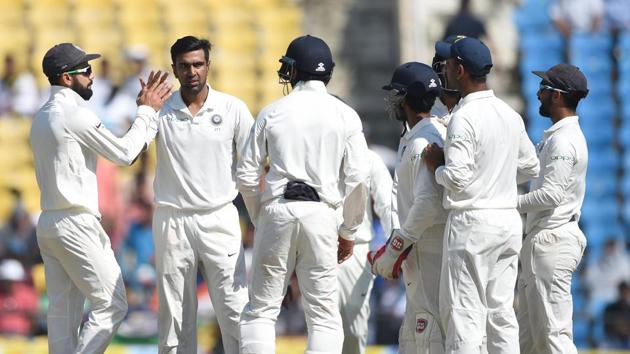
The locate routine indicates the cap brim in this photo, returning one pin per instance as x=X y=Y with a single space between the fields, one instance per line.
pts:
x=388 y=87
x=542 y=74
x=443 y=49
x=89 y=57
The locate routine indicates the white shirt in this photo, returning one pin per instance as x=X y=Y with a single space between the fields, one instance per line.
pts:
x=418 y=196
x=578 y=13
x=556 y=195
x=313 y=137
x=196 y=156
x=380 y=187
x=66 y=138
x=486 y=145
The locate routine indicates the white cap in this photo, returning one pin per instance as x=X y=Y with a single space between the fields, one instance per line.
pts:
x=12 y=270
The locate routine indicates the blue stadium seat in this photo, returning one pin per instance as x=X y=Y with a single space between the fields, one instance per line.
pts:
x=533 y=16
x=594 y=43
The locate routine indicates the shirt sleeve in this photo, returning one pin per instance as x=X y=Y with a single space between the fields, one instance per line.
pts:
x=558 y=166
x=427 y=196
x=459 y=153
x=251 y=164
x=244 y=122
x=381 y=192
x=528 y=165
x=91 y=132
x=356 y=168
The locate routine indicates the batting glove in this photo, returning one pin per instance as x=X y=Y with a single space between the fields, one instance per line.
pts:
x=387 y=261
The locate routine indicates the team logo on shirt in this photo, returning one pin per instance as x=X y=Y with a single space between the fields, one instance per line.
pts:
x=421 y=325
x=216 y=119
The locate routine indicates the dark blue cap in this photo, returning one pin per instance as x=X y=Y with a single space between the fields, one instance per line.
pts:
x=415 y=77
x=311 y=55
x=470 y=52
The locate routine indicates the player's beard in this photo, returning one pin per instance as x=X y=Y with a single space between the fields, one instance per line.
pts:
x=393 y=106
x=545 y=106
x=84 y=91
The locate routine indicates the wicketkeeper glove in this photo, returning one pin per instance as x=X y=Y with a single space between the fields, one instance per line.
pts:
x=387 y=261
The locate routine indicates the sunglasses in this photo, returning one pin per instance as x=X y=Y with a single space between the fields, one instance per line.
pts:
x=543 y=87
x=87 y=71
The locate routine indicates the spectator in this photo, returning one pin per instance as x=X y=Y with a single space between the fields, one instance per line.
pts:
x=104 y=90
x=577 y=16
x=617 y=16
x=617 y=320
x=465 y=23
x=18 y=91
x=17 y=238
x=602 y=277
x=18 y=300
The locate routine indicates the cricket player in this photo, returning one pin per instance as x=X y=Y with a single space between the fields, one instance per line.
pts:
x=355 y=276
x=310 y=138
x=66 y=139
x=449 y=96
x=200 y=136
x=554 y=243
x=418 y=241
x=486 y=149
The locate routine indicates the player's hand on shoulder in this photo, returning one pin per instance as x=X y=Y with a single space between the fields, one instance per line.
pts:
x=433 y=156
x=155 y=91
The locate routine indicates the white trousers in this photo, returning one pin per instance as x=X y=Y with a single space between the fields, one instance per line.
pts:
x=210 y=241
x=300 y=236
x=421 y=332
x=355 y=286
x=479 y=270
x=79 y=263
x=545 y=305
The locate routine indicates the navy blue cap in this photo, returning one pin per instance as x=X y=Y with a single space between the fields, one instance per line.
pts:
x=471 y=52
x=311 y=55
x=565 y=77
x=415 y=77
x=62 y=57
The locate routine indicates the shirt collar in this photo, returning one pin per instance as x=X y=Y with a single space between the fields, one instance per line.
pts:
x=562 y=123
x=67 y=94
x=311 y=85
x=475 y=96
x=177 y=102
x=418 y=127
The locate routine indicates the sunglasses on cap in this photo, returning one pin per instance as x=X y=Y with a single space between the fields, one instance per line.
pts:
x=544 y=87
x=87 y=71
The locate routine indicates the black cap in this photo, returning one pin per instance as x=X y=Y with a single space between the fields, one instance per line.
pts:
x=63 y=57
x=311 y=55
x=415 y=77
x=565 y=77
x=471 y=52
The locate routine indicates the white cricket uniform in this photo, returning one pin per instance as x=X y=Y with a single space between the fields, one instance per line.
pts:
x=486 y=149
x=554 y=244
x=422 y=219
x=313 y=137
x=66 y=138
x=355 y=275
x=196 y=225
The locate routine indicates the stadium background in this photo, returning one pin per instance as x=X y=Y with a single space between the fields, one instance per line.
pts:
x=369 y=38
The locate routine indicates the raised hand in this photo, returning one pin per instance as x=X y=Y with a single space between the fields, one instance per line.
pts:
x=155 y=91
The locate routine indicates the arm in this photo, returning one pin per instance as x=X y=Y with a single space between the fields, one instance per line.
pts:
x=528 y=165
x=89 y=131
x=459 y=153
x=356 y=171
x=251 y=166
x=561 y=158
x=381 y=192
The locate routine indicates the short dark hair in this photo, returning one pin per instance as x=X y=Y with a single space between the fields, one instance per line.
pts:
x=571 y=100
x=421 y=104
x=189 y=44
